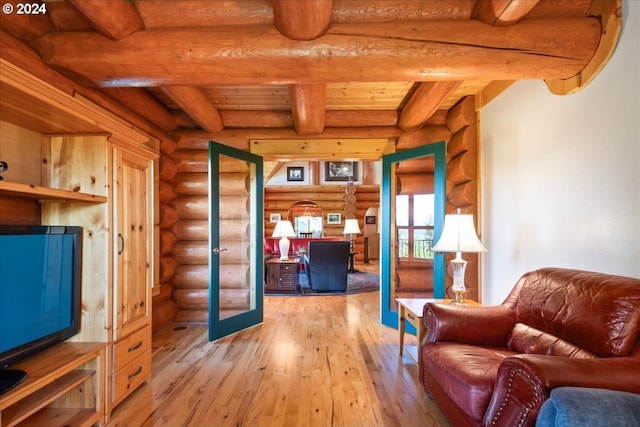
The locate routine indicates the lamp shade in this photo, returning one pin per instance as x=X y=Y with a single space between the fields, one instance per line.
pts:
x=283 y=229
x=459 y=235
x=351 y=226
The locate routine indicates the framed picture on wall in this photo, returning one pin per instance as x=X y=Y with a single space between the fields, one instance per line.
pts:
x=274 y=217
x=369 y=219
x=334 y=218
x=295 y=173
x=340 y=171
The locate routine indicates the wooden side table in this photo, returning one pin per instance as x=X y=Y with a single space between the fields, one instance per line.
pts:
x=282 y=275
x=410 y=310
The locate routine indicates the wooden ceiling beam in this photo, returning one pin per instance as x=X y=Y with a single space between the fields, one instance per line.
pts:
x=21 y=55
x=356 y=118
x=115 y=19
x=195 y=103
x=302 y=20
x=424 y=51
x=266 y=119
x=609 y=13
x=27 y=27
x=502 y=13
x=323 y=149
x=425 y=102
x=198 y=13
x=284 y=119
x=239 y=138
x=308 y=107
x=144 y=104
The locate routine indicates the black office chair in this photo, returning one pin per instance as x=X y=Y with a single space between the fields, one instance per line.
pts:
x=326 y=265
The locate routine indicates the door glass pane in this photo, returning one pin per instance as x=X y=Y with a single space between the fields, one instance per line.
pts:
x=237 y=285
x=403 y=243
x=423 y=209
x=422 y=243
x=412 y=271
x=402 y=210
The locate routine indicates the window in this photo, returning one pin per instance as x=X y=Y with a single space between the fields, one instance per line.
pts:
x=414 y=226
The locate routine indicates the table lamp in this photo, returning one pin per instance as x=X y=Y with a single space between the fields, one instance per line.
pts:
x=283 y=230
x=458 y=235
x=351 y=228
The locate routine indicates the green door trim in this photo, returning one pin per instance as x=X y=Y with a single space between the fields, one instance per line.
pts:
x=389 y=316
x=221 y=328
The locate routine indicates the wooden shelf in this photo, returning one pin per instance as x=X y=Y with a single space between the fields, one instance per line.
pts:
x=44 y=194
x=23 y=409
x=63 y=417
x=59 y=386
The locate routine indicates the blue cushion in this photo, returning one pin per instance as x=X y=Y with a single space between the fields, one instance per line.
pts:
x=593 y=407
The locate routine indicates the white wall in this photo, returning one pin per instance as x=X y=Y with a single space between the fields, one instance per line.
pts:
x=561 y=174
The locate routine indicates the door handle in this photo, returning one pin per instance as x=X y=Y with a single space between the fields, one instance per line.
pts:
x=121 y=244
x=218 y=250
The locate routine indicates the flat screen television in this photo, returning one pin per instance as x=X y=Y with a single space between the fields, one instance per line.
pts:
x=40 y=284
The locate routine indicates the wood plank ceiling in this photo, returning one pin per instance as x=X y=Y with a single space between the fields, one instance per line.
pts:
x=210 y=66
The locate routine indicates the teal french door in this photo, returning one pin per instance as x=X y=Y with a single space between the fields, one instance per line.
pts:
x=235 y=240
x=413 y=209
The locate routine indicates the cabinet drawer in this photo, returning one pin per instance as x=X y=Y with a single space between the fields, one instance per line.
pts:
x=131 y=376
x=131 y=347
x=289 y=268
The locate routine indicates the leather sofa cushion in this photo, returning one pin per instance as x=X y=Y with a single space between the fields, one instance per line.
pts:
x=525 y=339
x=466 y=373
x=595 y=311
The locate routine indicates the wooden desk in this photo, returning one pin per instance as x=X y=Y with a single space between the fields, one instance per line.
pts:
x=410 y=309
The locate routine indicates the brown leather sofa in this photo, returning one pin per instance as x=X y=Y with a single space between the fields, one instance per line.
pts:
x=495 y=366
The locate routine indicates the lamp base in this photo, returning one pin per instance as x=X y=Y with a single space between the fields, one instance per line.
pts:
x=459 y=266
x=458 y=300
x=284 y=245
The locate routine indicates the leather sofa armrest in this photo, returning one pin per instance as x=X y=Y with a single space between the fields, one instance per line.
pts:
x=483 y=326
x=524 y=382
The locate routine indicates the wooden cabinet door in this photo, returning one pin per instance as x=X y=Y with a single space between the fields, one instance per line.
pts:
x=132 y=245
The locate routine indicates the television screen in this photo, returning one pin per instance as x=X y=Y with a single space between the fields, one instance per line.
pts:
x=39 y=288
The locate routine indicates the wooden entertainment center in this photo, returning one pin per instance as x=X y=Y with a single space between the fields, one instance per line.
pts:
x=63 y=384
x=73 y=163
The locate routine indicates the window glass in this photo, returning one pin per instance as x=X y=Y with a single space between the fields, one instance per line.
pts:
x=402 y=211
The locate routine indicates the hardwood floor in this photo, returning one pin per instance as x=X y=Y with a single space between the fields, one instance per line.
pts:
x=314 y=361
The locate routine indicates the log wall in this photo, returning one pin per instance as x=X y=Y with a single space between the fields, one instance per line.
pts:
x=462 y=181
x=184 y=234
x=330 y=198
